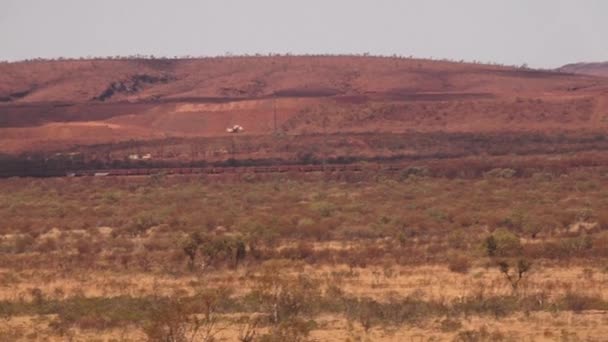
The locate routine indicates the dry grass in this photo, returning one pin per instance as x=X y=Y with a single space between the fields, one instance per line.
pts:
x=359 y=260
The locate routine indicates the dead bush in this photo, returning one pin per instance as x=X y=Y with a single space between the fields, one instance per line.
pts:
x=48 y=245
x=180 y=321
x=480 y=335
x=459 y=264
x=84 y=246
x=23 y=243
x=294 y=329
x=450 y=325
x=578 y=302
x=457 y=239
x=302 y=251
x=284 y=298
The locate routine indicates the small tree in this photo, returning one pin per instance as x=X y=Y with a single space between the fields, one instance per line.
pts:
x=249 y=331
x=284 y=298
x=170 y=322
x=231 y=250
x=177 y=320
x=514 y=275
x=490 y=245
x=190 y=247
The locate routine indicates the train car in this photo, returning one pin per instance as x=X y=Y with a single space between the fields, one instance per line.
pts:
x=334 y=168
x=330 y=168
x=354 y=168
x=394 y=167
x=261 y=169
x=119 y=172
x=144 y=172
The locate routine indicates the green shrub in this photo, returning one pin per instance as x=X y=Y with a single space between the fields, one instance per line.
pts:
x=227 y=249
x=500 y=173
x=414 y=172
x=324 y=209
x=516 y=220
x=141 y=223
x=503 y=243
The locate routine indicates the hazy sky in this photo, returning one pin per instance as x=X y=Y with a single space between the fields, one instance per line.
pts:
x=542 y=33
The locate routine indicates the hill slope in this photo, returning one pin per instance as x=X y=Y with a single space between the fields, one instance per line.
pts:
x=593 y=69
x=56 y=105
x=246 y=77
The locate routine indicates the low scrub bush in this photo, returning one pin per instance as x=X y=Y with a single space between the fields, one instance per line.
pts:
x=500 y=173
x=283 y=298
x=459 y=264
x=577 y=303
x=565 y=248
x=479 y=335
x=293 y=329
x=498 y=306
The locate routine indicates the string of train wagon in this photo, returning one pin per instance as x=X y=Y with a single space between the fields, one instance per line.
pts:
x=236 y=170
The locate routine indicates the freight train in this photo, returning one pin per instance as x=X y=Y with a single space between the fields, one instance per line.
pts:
x=233 y=170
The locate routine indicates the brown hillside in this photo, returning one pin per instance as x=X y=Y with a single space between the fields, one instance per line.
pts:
x=52 y=105
x=593 y=69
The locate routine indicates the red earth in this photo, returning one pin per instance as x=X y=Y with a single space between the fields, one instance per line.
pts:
x=58 y=105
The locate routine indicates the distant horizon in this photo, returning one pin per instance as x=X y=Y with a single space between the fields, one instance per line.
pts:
x=544 y=34
x=262 y=55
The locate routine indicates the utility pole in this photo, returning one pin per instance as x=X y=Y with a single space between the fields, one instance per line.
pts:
x=325 y=122
x=233 y=147
x=274 y=105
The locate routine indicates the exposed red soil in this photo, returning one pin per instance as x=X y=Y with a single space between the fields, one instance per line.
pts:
x=54 y=105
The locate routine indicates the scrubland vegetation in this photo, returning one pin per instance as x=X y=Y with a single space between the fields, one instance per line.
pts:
x=456 y=202
x=354 y=257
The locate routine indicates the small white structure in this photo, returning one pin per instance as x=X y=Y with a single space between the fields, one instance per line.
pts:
x=136 y=156
x=235 y=129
